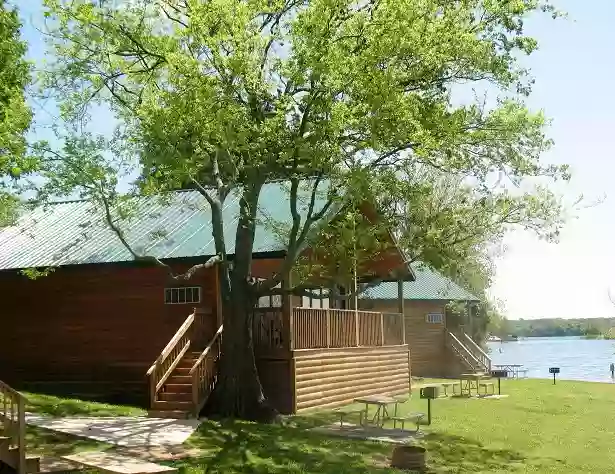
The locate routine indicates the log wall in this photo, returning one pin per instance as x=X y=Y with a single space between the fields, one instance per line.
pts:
x=428 y=352
x=92 y=329
x=327 y=378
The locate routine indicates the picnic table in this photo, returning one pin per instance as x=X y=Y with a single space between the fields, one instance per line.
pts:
x=381 y=402
x=512 y=369
x=471 y=380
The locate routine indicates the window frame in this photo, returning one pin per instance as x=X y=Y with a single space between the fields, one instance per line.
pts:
x=429 y=318
x=186 y=290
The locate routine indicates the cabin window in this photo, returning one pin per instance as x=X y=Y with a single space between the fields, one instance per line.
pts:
x=270 y=301
x=434 y=318
x=321 y=302
x=184 y=295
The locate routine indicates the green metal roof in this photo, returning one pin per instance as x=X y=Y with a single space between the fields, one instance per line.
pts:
x=429 y=285
x=74 y=232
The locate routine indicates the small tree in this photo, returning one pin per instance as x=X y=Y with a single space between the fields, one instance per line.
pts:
x=226 y=95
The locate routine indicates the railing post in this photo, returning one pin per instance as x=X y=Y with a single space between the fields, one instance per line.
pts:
x=403 y=328
x=21 y=426
x=291 y=329
x=328 y=323
x=382 y=329
x=195 y=391
x=356 y=327
x=152 y=386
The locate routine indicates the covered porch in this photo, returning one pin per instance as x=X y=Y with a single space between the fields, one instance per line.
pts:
x=276 y=331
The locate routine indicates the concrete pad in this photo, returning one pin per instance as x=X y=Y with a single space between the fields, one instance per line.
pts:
x=122 y=430
x=51 y=465
x=385 y=435
x=162 y=453
x=117 y=463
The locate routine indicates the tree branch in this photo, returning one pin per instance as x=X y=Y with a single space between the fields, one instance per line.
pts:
x=187 y=275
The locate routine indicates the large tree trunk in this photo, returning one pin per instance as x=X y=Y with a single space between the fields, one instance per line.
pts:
x=238 y=392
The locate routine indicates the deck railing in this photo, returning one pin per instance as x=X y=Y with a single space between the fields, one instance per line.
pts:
x=479 y=354
x=13 y=422
x=463 y=352
x=204 y=372
x=166 y=362
x=314 y=328
x=268 y=329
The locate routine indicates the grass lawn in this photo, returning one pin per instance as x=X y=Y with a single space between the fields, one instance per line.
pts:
x=541 y=428
x=566 y=428
x=56 y=406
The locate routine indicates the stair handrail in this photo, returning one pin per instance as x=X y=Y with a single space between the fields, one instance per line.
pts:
x=204 y=376
x=461 y=346
x=15 y=430
x=479 y=352
x=170 y=356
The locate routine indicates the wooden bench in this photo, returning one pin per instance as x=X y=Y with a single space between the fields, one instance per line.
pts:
x=342 y=412
x=412 y=417
x=447 y=385
x=485 y=385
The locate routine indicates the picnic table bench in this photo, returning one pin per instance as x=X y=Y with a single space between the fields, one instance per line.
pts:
x=447 y=385
x=412 y=417
x=485 y=385
x=343 y=412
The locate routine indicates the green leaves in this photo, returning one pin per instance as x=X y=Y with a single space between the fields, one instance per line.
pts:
x=15 y=115
x=231 y=93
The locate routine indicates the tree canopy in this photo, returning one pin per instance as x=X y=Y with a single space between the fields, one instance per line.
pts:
x=226 y=95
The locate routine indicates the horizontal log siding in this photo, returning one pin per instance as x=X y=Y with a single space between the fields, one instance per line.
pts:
x=327 y=378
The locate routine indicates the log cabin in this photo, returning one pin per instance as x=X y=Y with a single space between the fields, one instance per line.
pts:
x=101 y=325
x=438 y=337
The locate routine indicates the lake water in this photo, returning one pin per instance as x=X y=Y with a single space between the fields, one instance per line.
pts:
x=578 y=359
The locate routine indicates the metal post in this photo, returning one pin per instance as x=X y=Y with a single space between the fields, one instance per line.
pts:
x=429 y=411
x=553 y=378
x=499 y=387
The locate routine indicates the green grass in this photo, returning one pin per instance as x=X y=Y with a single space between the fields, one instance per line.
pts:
x=56 y=406
x=539 y=428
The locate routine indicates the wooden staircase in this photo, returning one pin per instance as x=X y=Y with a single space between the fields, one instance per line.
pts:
x=13 y=432
x=468 y=352
x=184 y=375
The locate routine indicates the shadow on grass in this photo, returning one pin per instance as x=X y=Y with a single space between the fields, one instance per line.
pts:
x=240 y=447
x=56 y=406
x=461 y=454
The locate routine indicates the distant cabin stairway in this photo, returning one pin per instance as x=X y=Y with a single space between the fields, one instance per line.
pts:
x=185 y=373
x=13 y=432
x=470 y=354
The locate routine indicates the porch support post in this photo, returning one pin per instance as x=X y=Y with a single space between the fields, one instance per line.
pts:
x=287 y=313
x=401 y=306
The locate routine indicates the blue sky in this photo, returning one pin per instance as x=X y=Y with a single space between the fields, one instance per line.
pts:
x=574 y=69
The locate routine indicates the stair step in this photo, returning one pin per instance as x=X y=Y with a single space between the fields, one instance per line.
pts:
x=175 y=396
x=179 y=379
x=186 y=363
x=175 y=414
x=182 y=371
x=4 y=440
x=172 y=405
x=177 y=388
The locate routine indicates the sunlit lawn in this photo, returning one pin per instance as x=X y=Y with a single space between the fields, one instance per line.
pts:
x=566 y=428
x=541 y=428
